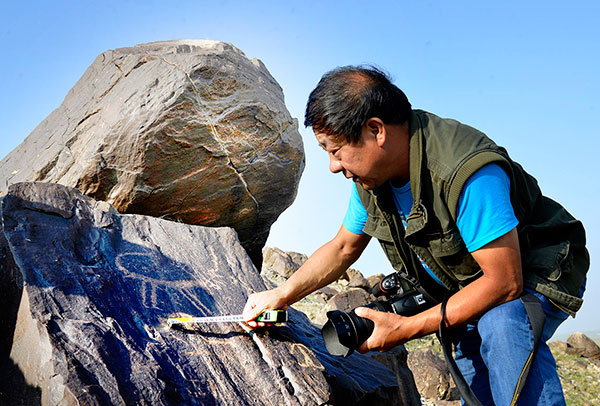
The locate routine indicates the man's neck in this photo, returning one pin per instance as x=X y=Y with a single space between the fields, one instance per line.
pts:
x=400 y=158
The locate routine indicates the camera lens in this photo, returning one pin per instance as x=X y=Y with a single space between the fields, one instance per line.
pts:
x=345 y=331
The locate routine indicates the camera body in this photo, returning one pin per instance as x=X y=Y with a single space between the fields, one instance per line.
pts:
x=345 y=331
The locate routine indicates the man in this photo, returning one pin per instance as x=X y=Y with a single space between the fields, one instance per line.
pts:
x=453 y=211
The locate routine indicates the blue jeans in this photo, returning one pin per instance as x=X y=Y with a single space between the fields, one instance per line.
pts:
x=492 y=351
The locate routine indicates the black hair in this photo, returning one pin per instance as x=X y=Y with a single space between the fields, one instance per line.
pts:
x=346 y=97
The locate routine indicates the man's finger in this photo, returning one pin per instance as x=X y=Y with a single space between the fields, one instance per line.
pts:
x=364 y=312
x=250 y=312
x=364 y=348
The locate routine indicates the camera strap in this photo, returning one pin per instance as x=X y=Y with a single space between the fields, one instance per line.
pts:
x=466 y=393
x=414 y=283
x=537 y=318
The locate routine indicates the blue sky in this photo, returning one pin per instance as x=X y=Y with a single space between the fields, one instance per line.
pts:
x=525 y=73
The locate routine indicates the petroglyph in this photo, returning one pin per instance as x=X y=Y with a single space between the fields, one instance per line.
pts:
x=305 y=357
x=144 y=269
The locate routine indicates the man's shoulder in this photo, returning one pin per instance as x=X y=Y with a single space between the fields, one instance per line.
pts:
x=447 y=143
x=434 y=125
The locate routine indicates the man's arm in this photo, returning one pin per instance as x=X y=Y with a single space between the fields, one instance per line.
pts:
x=326 y=265
x=502 y=281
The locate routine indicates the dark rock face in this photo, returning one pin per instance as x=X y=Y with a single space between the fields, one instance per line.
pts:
x=192 y=131
x=86 y=292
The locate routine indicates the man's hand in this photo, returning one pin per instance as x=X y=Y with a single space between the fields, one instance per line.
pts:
x=261 y=301
x=388 y=331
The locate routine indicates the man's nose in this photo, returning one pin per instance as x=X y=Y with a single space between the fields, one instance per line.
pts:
x=335 y=166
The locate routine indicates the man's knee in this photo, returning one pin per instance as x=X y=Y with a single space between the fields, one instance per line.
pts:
x=505 y=327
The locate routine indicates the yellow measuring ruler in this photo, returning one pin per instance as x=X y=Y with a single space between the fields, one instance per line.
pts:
x=268 y=316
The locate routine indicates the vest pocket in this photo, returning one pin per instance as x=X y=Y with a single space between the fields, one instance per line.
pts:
x=392 y=255
x=446 y=243
x=462 y=266
x=550 y=261
x=448 y=252
x=378 y=228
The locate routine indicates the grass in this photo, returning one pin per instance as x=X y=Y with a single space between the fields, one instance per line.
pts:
x=580 y=378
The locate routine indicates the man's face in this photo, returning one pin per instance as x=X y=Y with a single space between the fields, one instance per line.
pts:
x=359 y=161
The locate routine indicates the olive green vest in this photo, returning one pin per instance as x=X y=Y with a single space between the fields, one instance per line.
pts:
x=443 y=155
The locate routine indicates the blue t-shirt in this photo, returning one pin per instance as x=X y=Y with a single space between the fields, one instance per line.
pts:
x=484 y=210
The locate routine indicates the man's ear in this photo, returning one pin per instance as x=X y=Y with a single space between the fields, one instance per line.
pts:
x=376 y=129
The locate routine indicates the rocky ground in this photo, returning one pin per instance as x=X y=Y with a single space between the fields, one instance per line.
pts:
x=578 y=359
x=579 y=370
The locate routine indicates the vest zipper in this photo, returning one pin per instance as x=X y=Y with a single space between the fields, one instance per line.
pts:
x=420 y=251
x=437 y=262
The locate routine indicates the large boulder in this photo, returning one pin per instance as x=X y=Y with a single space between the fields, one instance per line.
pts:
x=87 y=291
x=192 y=131
x=281 y=264
x=580 y=344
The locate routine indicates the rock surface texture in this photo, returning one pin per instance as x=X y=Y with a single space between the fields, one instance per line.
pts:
x=192 y=131
x=432 y=376
x=87 y=291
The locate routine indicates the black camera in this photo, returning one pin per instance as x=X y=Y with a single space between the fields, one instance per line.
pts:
x=345 y=331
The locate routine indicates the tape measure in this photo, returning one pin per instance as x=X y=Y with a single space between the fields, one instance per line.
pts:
x=268 y=316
